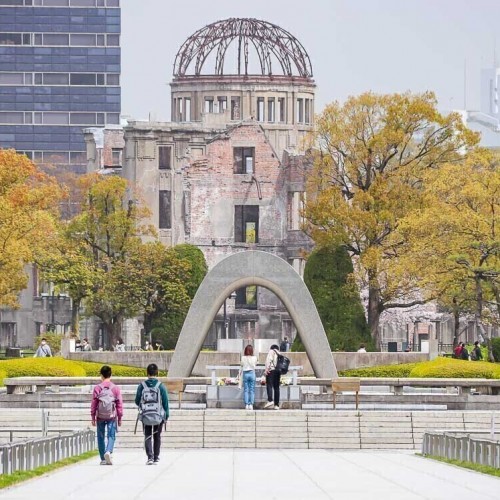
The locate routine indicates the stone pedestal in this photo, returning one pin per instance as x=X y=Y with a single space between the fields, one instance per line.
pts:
x=231 y=396
x=67 y=346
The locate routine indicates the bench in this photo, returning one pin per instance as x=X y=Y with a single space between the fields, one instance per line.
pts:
x=345 y=385
x=176 y=385
x=214 y=368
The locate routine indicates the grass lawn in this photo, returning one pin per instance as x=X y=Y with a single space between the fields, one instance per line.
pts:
x=7 y=480
x=485 y=469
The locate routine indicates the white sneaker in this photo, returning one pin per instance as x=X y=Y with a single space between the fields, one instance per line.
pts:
x=276 y=407
x=247 y=407
x=250 y=407
x=108 y=458
x=150 y=462
x=268 y=404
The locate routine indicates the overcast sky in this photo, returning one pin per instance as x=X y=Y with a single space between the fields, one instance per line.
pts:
x=354 y=45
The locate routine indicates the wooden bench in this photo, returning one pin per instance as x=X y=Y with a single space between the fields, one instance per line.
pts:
x=345 y=385
x=175 y=385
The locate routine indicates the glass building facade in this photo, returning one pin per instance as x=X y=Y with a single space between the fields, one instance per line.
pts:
x=59 y=73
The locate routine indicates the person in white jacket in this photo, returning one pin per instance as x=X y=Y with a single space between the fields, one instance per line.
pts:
x=248 y=365
x=273 y=378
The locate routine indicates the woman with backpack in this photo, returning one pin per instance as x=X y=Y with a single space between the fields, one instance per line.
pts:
x=273 y=378
x=248 y=365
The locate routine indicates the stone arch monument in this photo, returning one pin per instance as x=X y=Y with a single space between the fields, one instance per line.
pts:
x=245 y=269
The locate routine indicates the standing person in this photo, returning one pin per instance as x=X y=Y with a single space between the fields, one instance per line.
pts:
x=85 y=345
x=43 y=350
x=106 y=411
x=362 y=348
x=248 y=365
x=148 y=346
x=476 y=354
x=283 y=345
x=273 y=378
x=152 y=400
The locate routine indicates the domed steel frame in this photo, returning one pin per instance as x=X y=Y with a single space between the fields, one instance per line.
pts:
x=268 y=40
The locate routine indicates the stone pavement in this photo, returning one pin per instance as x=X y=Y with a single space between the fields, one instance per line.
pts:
x=235 y=474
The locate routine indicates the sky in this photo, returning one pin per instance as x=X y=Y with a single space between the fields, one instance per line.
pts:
x=355 y=46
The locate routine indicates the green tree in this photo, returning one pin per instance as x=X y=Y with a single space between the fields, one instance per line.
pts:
x=166 y=326
x=370 y=156
x=329 y=277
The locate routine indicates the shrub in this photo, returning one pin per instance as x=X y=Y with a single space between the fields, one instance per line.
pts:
x=41 y=367
x=495 y=344
x=455 y=368
x=387 y=371
x=94 y=369
x=3 y=374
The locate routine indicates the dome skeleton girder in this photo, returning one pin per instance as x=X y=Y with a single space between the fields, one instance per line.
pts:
x=268 y=40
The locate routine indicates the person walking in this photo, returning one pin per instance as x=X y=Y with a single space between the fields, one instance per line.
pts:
x=273 y=378
x=106 y=411
x=248 y=365
x=43 y=350
x=152 y=399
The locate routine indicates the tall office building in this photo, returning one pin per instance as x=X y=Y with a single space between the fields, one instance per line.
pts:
x=59 y=73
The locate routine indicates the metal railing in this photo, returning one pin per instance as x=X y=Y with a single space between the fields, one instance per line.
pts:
x=461 y=446
x=28 y=455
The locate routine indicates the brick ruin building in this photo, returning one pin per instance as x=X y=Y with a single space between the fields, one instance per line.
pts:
x=226 y=173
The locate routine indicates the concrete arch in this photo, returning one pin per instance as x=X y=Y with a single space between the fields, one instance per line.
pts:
x=244 y=269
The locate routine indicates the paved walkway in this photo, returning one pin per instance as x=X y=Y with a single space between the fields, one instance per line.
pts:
x=262 y=474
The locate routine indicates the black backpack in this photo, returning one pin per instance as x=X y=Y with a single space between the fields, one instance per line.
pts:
x=282 y=364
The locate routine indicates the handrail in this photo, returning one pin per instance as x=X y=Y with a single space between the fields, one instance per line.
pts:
x=30 y=454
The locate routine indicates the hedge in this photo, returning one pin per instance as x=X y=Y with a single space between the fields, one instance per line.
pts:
x=41 y=367
x=438 y=368
x=455 y=368
x=387 y=371
x=94 y=369
x=60 y=367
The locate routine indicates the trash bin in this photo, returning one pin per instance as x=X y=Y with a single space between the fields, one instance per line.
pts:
x=392 y=346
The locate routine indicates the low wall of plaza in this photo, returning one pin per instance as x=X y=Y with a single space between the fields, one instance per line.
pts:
x=343 y=360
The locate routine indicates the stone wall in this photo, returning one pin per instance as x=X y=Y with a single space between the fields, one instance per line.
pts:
x=343 y=360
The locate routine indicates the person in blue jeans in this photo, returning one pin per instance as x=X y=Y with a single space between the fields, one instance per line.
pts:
x=248 y=365
x=106 y=412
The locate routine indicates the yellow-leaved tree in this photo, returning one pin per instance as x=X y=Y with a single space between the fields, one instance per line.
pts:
x=29 y=204
x=369 y=158
x=456 y=241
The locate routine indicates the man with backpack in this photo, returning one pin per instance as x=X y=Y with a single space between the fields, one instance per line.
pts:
x=106 y=411
x=152 y=400
x=276 y=365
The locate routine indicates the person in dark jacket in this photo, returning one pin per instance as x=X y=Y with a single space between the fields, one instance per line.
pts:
x=476 y=354
x=464 y=353
x=152 y=433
